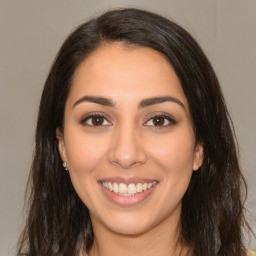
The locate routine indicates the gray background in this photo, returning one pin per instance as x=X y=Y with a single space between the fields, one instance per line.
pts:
x=31 y=32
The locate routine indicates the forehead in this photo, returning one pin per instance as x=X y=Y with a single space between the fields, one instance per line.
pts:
x=127 y=73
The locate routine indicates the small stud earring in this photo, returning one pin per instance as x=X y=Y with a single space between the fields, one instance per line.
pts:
x=65 y=166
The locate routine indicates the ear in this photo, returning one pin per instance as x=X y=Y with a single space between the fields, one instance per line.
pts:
x=61 y=144
x=198 y=156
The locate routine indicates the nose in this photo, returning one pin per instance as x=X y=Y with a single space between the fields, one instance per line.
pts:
x=127 y=148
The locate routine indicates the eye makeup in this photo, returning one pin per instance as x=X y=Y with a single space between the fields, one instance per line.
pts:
x=154 y=120
x=160 y=120
x=95 y=120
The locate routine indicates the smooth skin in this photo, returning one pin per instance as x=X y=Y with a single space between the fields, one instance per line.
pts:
x=130 y=139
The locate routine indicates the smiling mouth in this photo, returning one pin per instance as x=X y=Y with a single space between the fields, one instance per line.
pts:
x=131 y=189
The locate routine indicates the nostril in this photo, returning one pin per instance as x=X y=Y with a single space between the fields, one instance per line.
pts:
x=126 y=149
x=125 y=164
x=128 y=162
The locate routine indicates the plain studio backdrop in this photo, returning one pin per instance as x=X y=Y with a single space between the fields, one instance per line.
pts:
x=31 y=33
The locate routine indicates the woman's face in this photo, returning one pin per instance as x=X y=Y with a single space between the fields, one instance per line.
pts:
x=128 y=139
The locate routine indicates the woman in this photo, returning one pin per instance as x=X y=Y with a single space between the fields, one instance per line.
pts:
x=135 y=151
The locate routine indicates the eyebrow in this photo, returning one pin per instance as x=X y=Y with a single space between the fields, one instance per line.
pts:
x=144 y=103
x=98 y=100
x=158 y=100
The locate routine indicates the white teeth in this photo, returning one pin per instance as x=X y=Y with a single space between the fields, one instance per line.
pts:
x=139 y=187
x=110 y=187
x=115 y=188
x=130 y=190
x=122 y=188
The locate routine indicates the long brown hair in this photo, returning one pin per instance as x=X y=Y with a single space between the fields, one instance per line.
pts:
x=212 y=217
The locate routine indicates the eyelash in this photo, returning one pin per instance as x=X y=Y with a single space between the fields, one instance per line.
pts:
x=90 y=116
x=166 y=117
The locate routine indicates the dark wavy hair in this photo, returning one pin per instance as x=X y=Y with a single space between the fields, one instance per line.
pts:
x=212 y=217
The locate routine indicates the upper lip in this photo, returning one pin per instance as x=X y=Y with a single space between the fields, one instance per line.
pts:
x=127 y=181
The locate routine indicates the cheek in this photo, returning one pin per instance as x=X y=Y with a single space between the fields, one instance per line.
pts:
x=84 y=153
x=174 y=154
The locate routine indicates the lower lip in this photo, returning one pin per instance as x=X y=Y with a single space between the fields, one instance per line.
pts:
x=127 y=200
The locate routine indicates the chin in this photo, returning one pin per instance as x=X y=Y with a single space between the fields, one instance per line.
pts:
x=128 y=224
x=129 y=230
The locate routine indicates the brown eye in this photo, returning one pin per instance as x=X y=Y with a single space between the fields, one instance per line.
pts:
x=158 y=121
x=97 y=120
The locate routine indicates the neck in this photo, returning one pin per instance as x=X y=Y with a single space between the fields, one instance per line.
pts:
x=157 y=241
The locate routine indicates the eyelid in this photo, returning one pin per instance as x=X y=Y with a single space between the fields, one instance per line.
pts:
x=166 y=116
x=148 y=118
x=95 y=114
